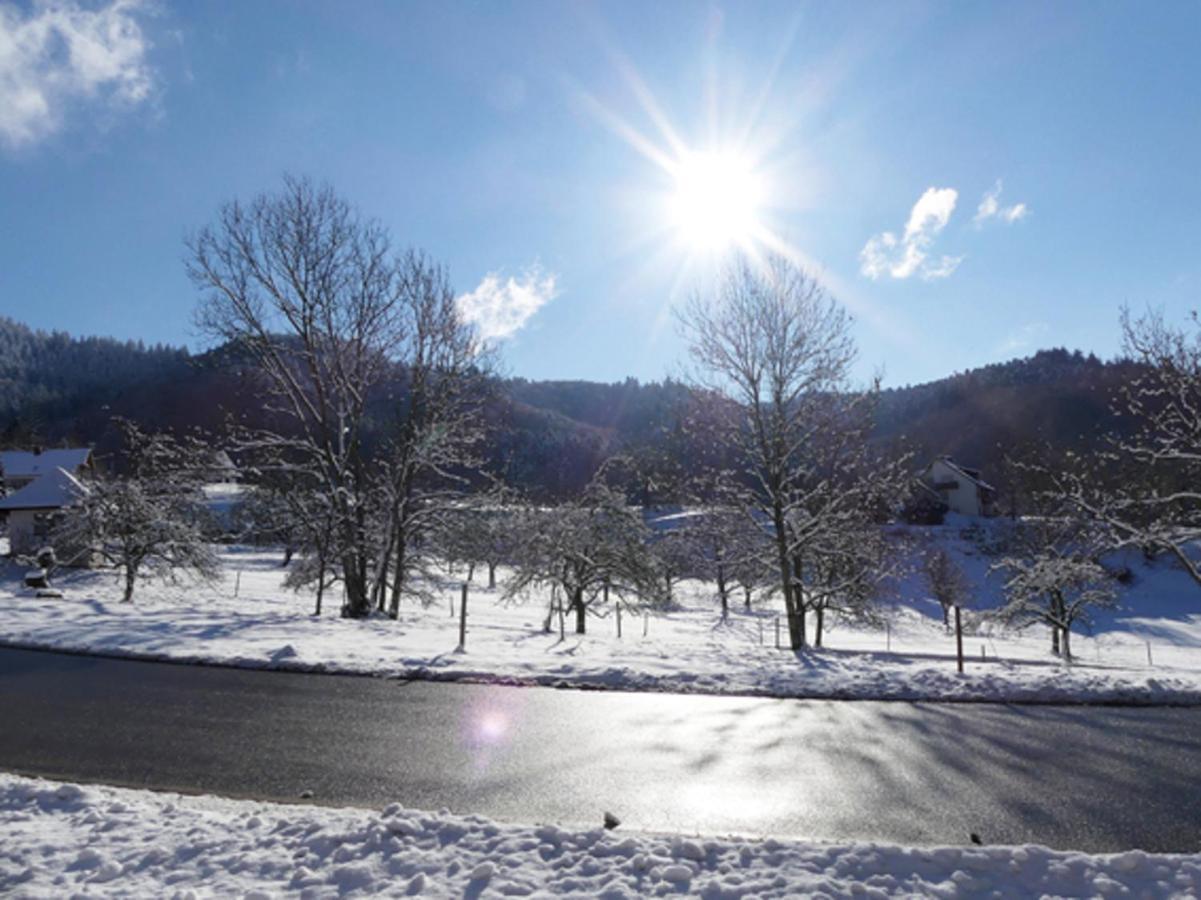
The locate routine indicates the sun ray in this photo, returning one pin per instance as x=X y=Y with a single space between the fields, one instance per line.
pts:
x=769 y=83
x=627 y=132
x=646 y=99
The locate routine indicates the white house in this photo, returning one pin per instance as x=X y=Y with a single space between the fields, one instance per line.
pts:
x=20 y=467
x=30 y=510
x=959 y=487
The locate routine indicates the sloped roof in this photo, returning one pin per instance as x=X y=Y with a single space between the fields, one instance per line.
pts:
x=54 y=490
x=26 y=464
x=966 y=473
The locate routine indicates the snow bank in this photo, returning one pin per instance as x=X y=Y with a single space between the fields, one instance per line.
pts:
x=249 y=619
x=65 y=839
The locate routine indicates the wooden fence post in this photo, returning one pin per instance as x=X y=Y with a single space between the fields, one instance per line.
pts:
x=777 y=632
x=959 y=639
x=463 y=619
x=619 y=621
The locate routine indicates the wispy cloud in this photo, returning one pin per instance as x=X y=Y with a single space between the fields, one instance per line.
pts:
x=886 y=254
x=501 y=308
x=59 y=53
x=990 y=208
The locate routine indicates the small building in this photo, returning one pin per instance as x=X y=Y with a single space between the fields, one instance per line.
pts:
x=958 y=487
x=31 y=510
x=21 y=467
x=223 y=470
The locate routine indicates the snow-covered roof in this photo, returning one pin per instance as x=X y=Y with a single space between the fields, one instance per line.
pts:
x=54 y=490
x=966 y=473
x=27 y=464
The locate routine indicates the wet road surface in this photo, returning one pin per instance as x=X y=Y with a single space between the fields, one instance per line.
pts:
x=1088 y=778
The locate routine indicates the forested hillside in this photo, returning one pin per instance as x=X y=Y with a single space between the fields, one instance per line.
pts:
x=547 y=436
x=1055 y=397
x=50 y=381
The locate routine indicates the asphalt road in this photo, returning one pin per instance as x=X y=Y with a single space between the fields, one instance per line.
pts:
x=1096 y=779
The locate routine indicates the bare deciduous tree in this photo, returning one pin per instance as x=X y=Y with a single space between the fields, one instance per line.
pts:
x=728 y=549
x=1144 y=489
x=315 y=297
x=149 y=518
x=437 y=422
x=1054 y=576
x=946 y=581
x=773 y=344
x=593 y=548
x=481 y=531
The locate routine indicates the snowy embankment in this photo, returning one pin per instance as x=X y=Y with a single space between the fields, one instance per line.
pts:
x=248 y=619
x=64 y=839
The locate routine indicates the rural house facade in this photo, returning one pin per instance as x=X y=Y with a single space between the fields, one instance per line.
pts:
x=959 y=487
x=37 y=485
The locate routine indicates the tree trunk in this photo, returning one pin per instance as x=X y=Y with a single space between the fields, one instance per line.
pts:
x=580 y=611
x=1067 y=643
x=358 y=601
x=797 y=634
x=289 y=551
x=403 y=494
x=491 y=575
x=320 y=579
x=821 y=621
x=131 y=575
x=794 y=631
x=746 y=597
x=398 y=575
x=722 y=591
x=1056 y=618
x=471 y=571
x=381 y=578
x=946 y=621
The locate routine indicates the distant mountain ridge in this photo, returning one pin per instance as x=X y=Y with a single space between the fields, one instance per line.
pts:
x=549 y=436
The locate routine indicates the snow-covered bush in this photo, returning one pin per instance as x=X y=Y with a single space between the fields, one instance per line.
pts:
x=150 y=518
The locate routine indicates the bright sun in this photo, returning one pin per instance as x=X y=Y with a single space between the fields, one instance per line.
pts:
x=717 y=201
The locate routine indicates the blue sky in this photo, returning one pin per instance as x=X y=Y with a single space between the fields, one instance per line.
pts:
x=536 y=149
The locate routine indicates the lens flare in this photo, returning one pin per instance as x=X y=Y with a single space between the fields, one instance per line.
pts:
x=492 y=726
x=717 y=201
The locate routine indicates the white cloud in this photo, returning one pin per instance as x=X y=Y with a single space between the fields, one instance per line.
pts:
x=886 y=254
x=58 y=53
x=501 y=308
x=1013 y=213
x=990 y=208
x=941 y=269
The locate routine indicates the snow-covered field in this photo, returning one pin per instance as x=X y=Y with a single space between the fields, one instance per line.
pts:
x=71 y=840
x=249 y=619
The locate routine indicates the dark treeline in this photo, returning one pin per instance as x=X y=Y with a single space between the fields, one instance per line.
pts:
x=547 y=438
